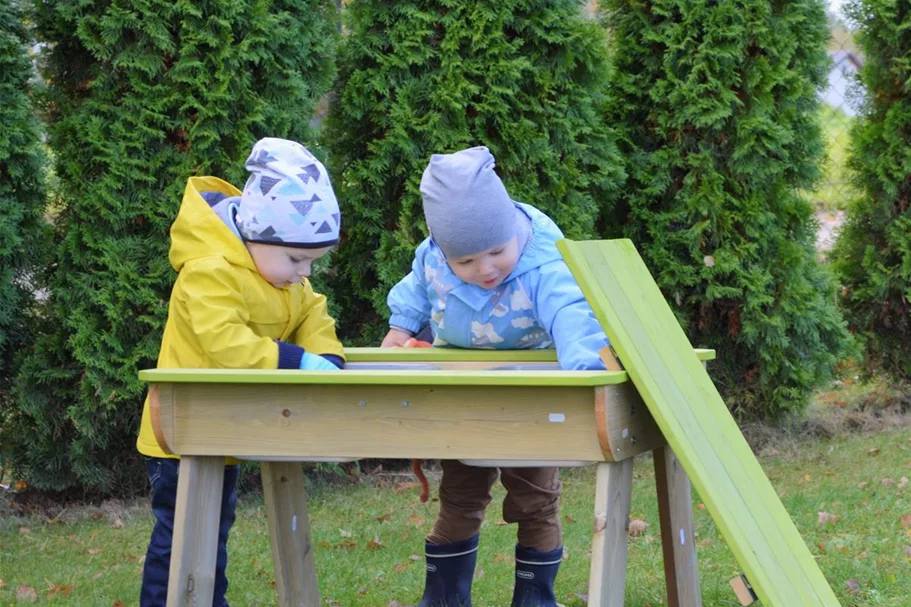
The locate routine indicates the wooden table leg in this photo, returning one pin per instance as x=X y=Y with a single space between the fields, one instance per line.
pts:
x=607 y=579
x=194 y=547
x=289 y=532
x=675 y=509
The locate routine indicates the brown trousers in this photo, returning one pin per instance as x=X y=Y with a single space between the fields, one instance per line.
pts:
x=532 y=501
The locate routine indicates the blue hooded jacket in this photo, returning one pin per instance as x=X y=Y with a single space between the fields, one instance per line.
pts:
x=539 y=305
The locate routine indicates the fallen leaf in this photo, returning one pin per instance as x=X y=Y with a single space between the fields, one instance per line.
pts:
x=903 y=482
x=415 y=557
x=400 y=567
x=887 y=482
x=375 y=544
x=416 y=521
x=94 y=551
x=405 y=486
x=853 y=586
x=709 y=261
x=384 y=518
x=873 y=451
x=502 y=557
x=637 y=527
x=2 y=583
x=26 y=594
x=825 y=518
x=20 y=486
x=569 y=519
x=479 y=573
x=118 y=523
x=822 y=547
x=344 y=533
x=701 y=506
x=862 y=485
x=862 y=555
x=806 y=479
x=25 y=530
x=346 y=545
x=98 y=575
x=906 y=521
x=706 y=543
x=501 y=523
x=65 y=589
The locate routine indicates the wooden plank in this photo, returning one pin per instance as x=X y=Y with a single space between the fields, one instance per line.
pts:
x=625 y=426
x=675 y=510
x=734 y=477
x=698 y=426
x=734 y=472
x=436 y=355
x=195 y=544
x=459 y=422
x=610 y=540
x=289 y=532
x=387 y=378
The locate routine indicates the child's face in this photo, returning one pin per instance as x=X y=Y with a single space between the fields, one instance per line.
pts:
x=489 y=268
x=282 y=266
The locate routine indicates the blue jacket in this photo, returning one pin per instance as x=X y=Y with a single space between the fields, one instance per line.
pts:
x=539 y=305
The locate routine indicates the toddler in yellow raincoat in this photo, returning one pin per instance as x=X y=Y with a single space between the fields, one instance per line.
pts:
x=241 y=300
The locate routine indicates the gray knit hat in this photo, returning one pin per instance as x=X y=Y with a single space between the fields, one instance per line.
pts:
x=288 y=200
x=466 y=205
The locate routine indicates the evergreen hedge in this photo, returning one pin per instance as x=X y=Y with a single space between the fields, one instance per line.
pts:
x=717 y=106
x=526 y=78
x=142 y=95
x=873 y=253
x=23 y=230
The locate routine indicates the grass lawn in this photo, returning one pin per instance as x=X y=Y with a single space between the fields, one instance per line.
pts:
x=369 y=538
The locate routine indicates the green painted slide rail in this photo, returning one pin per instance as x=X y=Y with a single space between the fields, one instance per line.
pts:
x=696 y=423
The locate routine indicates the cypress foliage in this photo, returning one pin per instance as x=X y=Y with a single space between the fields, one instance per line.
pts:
x=526 y=78
x=23 y=231
x=142 y=95
x=873 y=253
x=717 y=102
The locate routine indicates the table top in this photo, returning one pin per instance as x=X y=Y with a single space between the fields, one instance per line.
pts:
x=518 y=368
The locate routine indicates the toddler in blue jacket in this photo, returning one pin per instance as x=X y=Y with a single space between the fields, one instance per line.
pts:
x=490 y=276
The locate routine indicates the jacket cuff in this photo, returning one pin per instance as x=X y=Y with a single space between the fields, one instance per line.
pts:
x=338 y=361
x=400 y=321
x=289 y=355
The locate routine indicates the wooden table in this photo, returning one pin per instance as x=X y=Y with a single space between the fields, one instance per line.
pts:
x=466 y=408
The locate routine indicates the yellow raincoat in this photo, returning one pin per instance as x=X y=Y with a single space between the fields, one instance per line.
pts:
x=222 y=313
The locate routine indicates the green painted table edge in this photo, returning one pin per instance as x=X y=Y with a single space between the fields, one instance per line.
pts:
x=389 y=378
x=457 y=355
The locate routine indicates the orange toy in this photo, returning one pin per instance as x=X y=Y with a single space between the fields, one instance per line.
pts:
x=414 y=343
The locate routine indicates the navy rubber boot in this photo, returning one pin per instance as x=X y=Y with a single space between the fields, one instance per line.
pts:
x=450 y=571
x=535 y=574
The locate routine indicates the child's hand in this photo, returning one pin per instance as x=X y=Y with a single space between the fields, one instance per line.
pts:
x=314 y=362
x=395 y=339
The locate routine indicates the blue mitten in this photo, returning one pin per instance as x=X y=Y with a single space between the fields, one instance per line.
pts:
x=314 y=362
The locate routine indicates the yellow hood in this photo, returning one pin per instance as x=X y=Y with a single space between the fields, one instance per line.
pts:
x=199 y=232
